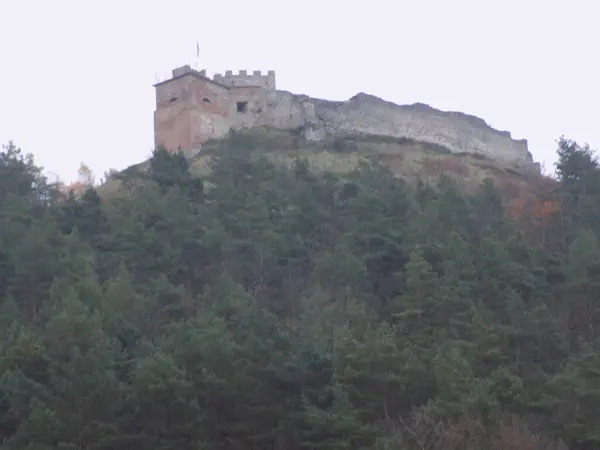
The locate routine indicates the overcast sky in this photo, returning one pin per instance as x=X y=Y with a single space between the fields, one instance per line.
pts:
x=76 y=75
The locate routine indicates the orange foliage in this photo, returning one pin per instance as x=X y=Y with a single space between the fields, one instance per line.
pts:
x=77 y=188
x=516 y=210
x=85 y=180
x=533 y=208
x=543 y=209
x=539 y=218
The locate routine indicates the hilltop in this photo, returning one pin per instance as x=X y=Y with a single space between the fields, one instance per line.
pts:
x=202 y=116
x=192 y=109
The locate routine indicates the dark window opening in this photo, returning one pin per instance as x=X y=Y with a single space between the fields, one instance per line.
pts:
x=206 y=100
x=242 y=107
x=173 y=99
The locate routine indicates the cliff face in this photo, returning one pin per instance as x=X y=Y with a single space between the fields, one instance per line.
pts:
x=366 y=114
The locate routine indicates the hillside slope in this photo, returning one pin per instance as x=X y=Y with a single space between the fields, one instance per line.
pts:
x=287 y=308
x=407 y=159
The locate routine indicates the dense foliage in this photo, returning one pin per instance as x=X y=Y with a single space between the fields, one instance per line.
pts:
x=265 y=307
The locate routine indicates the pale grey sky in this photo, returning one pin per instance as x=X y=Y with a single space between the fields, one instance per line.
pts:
x=76 y=76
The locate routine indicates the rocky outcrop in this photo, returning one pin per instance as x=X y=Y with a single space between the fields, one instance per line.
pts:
x=369 y=115
x=458 y=132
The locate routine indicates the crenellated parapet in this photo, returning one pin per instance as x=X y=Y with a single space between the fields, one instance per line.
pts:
x=244 y=79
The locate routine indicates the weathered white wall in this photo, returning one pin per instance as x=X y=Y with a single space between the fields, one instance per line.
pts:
x=460 y=133
x=457 y=131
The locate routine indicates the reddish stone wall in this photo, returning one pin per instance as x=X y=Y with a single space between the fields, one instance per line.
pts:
x=189 y=111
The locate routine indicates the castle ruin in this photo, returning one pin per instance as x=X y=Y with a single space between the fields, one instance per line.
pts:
x=192 y=108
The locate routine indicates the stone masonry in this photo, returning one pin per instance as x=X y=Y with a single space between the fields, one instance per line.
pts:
x=192 y=108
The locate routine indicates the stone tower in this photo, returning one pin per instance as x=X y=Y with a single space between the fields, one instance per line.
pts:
x=192 y=108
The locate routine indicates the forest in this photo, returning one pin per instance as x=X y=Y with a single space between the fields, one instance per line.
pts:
x=263 y=306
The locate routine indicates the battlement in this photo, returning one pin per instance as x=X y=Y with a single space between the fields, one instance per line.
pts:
x=243 y=79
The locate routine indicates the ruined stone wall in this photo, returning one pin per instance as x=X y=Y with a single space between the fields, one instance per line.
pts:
x=460 y=133
x=276 y=109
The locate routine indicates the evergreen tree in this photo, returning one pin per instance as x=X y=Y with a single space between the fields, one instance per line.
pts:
x=283 y=307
